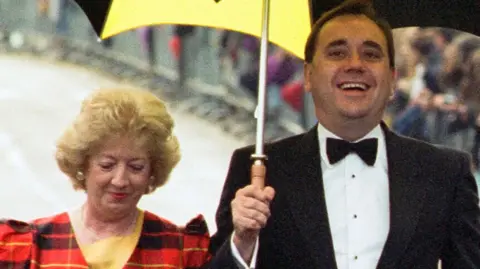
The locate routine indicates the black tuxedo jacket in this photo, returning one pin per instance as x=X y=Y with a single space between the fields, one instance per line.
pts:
x=434 y=207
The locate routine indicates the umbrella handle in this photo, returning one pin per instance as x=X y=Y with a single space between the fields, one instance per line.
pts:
x=258 y=173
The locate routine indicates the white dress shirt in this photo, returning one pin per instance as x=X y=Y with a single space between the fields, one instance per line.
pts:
x=357 y=199
x=358 y=206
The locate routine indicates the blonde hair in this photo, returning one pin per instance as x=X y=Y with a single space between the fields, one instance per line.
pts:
x=105 y=113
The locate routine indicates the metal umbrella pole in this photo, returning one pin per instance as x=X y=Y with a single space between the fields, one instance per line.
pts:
x=258 y=171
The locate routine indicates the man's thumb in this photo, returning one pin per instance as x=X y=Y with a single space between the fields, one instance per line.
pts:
x=269 y=192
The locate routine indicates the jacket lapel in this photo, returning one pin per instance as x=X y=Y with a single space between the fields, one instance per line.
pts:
x=306 y=196
x=407 y=195
x=305 y=188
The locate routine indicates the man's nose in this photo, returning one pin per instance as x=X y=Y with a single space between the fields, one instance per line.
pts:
x=355 y=63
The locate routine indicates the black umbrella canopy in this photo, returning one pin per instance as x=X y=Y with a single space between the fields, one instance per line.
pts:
x=96 y=12
x=461 y=15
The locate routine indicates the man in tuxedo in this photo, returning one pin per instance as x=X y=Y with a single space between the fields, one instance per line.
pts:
x=350 y=193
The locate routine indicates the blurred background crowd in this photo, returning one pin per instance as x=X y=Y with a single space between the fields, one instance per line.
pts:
x=214 y=73
x=438 y=97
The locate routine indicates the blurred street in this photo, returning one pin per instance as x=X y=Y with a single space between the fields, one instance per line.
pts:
x=37 y=101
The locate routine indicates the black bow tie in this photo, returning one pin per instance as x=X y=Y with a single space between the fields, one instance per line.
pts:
x=366 y=149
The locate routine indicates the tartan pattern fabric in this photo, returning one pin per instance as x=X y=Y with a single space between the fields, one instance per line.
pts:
x=50 y=242
x=15 y=244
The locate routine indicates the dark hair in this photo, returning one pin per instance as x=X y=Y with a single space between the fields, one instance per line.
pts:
x=350 y=7
x=467 y=47
x=447 y=33
x=423 y=44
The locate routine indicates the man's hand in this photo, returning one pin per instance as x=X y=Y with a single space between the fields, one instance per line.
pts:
x=250 y=213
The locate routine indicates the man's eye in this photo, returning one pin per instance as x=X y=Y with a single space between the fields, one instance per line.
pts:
x=336 y=53
x=374 y=55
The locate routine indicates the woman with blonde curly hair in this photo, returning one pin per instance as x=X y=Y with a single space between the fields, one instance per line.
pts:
x=119 y=148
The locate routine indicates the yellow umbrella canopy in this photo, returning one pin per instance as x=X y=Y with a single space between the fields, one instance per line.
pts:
x=289 y=23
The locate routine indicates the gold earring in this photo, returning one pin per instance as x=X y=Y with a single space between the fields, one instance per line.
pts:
x=80 y=176
x=150 y=189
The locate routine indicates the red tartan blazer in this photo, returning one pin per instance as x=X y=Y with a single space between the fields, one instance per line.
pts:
x=50 y=242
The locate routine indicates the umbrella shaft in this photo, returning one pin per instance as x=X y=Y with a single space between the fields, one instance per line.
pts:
x=262 y=80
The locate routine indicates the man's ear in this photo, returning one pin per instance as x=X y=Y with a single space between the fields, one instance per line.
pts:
x=393 y=83
x=307 y=74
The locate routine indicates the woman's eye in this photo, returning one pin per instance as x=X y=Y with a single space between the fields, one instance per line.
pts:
x=106 y=166
x=137 y=167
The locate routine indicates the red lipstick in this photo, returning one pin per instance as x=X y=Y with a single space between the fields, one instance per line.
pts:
x=118 y=195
